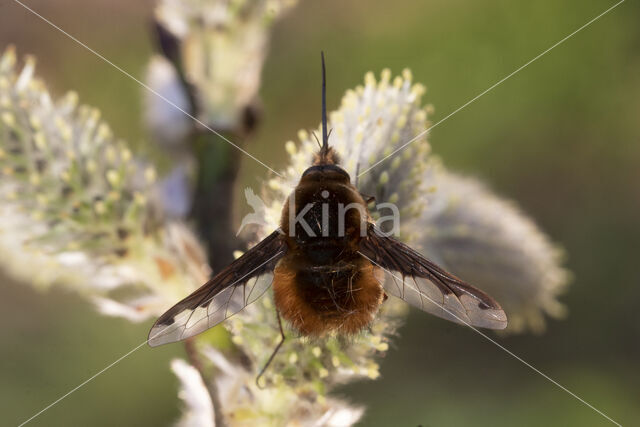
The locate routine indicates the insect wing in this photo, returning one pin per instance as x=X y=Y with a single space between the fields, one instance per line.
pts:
x=423 y=284
x=238 y=285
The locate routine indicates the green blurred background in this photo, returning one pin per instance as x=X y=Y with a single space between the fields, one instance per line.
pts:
x=562 y=138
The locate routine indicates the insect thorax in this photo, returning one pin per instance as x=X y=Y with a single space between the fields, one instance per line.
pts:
x=325 y=213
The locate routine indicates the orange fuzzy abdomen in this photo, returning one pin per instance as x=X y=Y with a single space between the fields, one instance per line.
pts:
x=342 y=299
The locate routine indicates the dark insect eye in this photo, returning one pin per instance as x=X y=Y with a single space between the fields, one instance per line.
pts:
x=311 y=169
x=327 y=168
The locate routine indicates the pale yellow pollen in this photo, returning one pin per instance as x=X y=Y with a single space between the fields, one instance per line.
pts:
x=126 y=155
x=382 y=346
x=35 y=122
x=335 y=361
x=110 y=154
x=72 y=246
x=395 y=163
x=350 y=101
x=407 y=74
x=103 y=131
x=237 y=325
x=100 y=208
x=373 y=372
x=64 y=129
x=418 y=89
x=420 y=116
x=94 y=114
x=290 y=147
x=8 y=57
x=369 y=79
x=139 y=198
x=274 y=184
x=385 y=75
x=401 y=122
x=40 y=141
x=150 y=175
x=91 y=166
x=277 y=379
x=113 y=177
x=71 y=98
x=395 y=137
x=9 y=119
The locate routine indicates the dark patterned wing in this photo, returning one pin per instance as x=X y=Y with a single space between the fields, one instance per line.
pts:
x=231 y=290
x=423 y=284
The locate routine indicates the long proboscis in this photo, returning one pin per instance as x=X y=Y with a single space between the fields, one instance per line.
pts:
x=325 y=136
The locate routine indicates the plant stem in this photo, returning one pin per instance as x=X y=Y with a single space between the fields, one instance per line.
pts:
x=196 y=362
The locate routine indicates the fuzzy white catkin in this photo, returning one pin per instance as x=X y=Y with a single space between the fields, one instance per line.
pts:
x=223 y=45
x=77 y=208
x=456 y=221
x=199 y=411
x=372 y=121
x=104 y=238
x=490 y=242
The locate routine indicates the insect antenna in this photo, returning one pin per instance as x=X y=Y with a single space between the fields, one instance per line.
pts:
x=275 y=351
x=317 y=140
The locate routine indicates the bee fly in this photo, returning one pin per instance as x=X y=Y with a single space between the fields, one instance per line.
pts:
x=330 y=268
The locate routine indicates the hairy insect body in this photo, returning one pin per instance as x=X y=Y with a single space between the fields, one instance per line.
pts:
x=323 y=284
x=330 y=268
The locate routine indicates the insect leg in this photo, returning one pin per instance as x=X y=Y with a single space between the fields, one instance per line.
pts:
x=275 y=351
x=368 y=199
